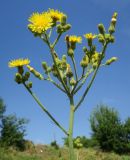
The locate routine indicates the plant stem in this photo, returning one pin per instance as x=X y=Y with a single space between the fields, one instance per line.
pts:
x=45 y=110
x=71 y=124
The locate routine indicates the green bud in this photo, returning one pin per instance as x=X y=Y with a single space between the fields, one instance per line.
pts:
x=111 y=39
x=85 y=49
x=34 y=72
x=44 y=65
x=95 y=65
x=59 y=28
x=18 y=78
x=101 y=29
x=67 y=27
x=101 y=38
x=54 y=71
x=111 y=60
x=85 y=61
x=26 y=76
x=64 y=57
x=72 y=81
x=111 y=29
x=29 y=85
x=70 y=52
x=63 y=20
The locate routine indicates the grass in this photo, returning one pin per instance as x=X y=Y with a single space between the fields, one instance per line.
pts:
x=41 y=152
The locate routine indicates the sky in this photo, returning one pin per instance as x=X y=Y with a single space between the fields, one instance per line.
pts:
x=111 y=86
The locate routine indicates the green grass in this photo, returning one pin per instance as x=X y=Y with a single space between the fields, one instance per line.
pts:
x=50 y=153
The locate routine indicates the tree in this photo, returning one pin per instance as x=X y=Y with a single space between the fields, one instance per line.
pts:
x=12 y=129
x=109 y=131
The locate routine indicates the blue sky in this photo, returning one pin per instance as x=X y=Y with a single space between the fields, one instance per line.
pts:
x=112 y=85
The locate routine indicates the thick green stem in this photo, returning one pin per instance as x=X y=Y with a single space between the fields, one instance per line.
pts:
x=45 y=110
x=71 y=124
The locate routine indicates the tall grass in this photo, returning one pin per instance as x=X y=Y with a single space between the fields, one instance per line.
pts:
x=50 y=153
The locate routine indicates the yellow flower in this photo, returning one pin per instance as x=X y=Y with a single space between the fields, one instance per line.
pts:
x=90 y=36
x=55 y=14
x=40 y=22
x=18 y=63
x=75 y=39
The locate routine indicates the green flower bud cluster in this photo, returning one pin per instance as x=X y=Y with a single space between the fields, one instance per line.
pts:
x=77 y=143
x=34 y=72
x=61 y=28
x=20 y=78
x=107 y=37
x=111 y=60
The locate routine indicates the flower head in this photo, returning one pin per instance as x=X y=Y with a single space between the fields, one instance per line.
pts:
x=18 y=63
x=40 y=22
x=90 y=36
x=75 y=39
x=55 y=14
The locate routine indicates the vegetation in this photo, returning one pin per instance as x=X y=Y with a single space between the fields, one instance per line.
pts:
x=12 y=129
x=109 y=131
x=50 y=153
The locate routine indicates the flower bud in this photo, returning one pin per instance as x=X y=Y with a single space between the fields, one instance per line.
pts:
x=111 y=29
x=44 y=65
x=85 y=49
x=26 y=76
x=64 y=57
x=101 y=38
x=72 y=81
x=85 y=61
x=67 y=27
x=111 y=60
x=70 y=52
x=95 y=65
x=59 y=28
x=34 y=72
x=18 y=78
x=101 y=29
x=29 y=85
x=63 y=20
x=69 y=72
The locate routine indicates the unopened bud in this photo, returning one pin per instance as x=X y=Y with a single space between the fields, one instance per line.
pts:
x=18 y=78
x=70 y=52
x=34 y=72
x=101 y=29
x=72 y=82
x=26 y=76
x=85 y=49
x=111 y=60
x=44 y=65
x=67 y=27
x=69 y=72
x=29 y=85
x=101 y=38
x=85 y=61
x=63 y=20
